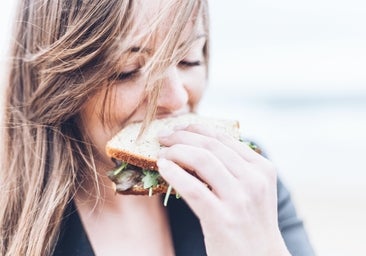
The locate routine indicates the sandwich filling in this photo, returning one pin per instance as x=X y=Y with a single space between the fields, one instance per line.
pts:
x=127 y=177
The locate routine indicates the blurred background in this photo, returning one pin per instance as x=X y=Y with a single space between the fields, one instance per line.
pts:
x=294 y=74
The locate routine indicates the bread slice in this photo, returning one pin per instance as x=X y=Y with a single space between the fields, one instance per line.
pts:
x=142 y=152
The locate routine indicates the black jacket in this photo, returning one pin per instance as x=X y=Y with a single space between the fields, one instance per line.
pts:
x=186 y=230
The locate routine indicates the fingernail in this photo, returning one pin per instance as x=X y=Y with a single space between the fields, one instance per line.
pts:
x=162 y=163
x=164 y=133
x=180 y=127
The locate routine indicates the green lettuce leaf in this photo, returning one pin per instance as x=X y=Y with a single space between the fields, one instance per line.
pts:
x=150 y=178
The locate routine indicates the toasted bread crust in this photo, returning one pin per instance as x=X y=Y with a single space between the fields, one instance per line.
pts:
x=126 y=148
x=128 y=157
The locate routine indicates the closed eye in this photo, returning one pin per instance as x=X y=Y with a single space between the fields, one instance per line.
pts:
x=127 y=75
x=185 y=63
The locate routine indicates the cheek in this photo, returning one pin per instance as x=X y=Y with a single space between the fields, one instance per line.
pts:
x=105 y=114
x=125 y=102
x=94 y=130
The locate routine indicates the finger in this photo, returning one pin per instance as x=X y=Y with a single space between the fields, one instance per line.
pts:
x=241 y=148
x=229 y=157
x=206 y=165
x=195 y=193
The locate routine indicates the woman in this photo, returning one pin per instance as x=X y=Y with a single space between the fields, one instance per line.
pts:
x=81 y=71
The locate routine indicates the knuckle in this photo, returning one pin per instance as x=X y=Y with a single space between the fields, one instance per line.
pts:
x=169 y=152
x=193 y=193
x=202 y=156
x=211 y=144
x=263 y=189
x=270 y=169
x=194 y=128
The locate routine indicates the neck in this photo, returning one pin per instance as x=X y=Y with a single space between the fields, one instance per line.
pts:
x=124 y=216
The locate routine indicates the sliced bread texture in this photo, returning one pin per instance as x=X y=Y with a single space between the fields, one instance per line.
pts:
x=143 y=152
x=136 y=157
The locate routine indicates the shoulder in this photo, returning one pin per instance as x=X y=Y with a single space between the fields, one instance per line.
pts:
x=291 y=226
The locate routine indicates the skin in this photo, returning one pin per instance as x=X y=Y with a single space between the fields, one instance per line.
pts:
x=243 y=203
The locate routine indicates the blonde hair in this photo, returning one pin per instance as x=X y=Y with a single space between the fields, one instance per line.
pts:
x=64 y=52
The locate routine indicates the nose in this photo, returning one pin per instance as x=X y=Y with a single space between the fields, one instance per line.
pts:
x=173 y=94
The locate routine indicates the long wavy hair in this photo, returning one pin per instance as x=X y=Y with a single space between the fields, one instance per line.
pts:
x=63 y=52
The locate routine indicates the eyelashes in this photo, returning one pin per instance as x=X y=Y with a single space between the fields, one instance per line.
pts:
x=185 y=63
x=125 y=76
x=129 y=75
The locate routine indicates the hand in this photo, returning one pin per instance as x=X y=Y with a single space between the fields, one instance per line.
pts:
x=238 y=211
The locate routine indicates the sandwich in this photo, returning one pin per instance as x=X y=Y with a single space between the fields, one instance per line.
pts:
x=135 y=156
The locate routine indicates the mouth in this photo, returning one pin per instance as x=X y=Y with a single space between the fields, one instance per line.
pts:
x=165 y=114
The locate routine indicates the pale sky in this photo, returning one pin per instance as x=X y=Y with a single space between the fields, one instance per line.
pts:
x=290 y=45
